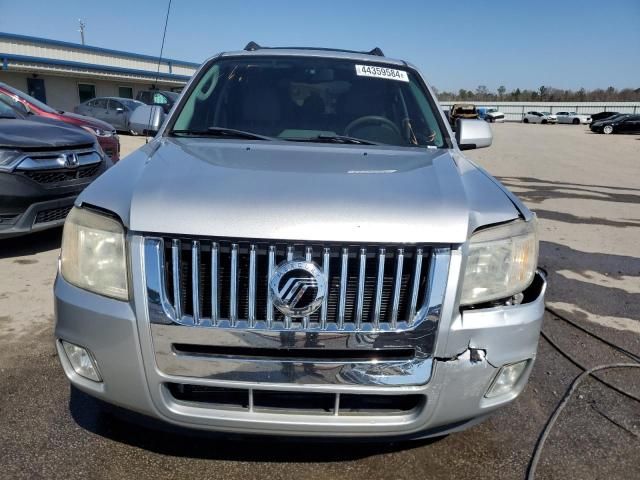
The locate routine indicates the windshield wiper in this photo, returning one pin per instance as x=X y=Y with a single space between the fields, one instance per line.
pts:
x=221 y=132
x=334 y=139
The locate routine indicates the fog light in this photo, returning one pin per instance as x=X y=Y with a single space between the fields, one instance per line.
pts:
x=81 y=361
x=507 y=378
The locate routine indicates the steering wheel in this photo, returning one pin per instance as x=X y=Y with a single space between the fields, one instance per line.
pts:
x=371 y=120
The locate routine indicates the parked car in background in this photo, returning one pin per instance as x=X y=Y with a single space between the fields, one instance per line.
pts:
x=462 y=111
x=113 y=110
x=602 y=115
x=596 y=126
x=162 y=98
x=44 y=165
x=303 y=249
x=624 y=123
x=539 y=117
x=573 y=117
x=105 y=133
x=490 y=114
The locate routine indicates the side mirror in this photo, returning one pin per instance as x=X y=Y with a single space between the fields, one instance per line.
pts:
x=146 y=119
x=472 y=134
x=119 y=110
x=22 y=108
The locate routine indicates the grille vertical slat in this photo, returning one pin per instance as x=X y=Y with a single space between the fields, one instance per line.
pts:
x=397 y=286
x=290 y=251
x=195 y=280
x=326 y=262
x=177 y=295
x=233 y=290
x=252 y=285
x=308 y=255
x=415 y=287
x=224 y=283
x=215 y=303
x=270 y=268
x=361 y=280
x=343 y=287
x=379 y=287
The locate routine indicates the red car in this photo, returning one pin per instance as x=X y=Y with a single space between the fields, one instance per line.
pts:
x=107 y=138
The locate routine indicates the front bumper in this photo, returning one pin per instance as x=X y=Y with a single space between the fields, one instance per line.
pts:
x=38 y=199
x=471 y=348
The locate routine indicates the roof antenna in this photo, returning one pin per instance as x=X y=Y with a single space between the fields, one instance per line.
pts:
x=164 y=35
x=252 y=46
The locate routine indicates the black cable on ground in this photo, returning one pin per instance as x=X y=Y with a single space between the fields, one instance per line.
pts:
x=626 y=352
x=554 y=417
x=582 y=367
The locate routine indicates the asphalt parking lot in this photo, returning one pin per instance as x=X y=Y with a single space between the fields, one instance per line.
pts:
x=585 y=189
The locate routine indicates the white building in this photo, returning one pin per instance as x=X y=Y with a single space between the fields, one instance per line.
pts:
x=64 y=74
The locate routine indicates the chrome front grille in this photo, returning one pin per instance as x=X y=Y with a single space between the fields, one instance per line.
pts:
x=224 y=283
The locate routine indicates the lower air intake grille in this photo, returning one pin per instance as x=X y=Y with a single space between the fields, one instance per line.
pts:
x=295 y=402
x=52 y=215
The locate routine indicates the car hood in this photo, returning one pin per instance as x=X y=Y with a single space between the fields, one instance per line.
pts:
x=92 y=122
x=39 y=132
x=285 y=190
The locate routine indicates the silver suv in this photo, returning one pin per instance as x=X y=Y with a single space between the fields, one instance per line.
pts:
x=302 y=250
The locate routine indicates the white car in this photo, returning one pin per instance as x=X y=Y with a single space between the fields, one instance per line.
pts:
x=539 y=117
x=573 y=117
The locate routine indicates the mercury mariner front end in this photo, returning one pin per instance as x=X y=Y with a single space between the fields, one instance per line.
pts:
x=278 y=279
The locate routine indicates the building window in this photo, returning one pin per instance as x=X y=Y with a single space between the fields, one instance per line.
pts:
x=86 y=91
x=35 y=87
x=125 y=92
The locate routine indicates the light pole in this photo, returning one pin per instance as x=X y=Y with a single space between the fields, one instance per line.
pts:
x=82 y=25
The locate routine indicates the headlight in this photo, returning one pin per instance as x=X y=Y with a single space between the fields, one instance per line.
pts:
x=9 y=158
x=98 y=131
x=93 y=255
x=502 y=262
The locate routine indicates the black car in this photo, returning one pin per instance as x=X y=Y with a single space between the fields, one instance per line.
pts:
x=44 y=165
x=602 y=116
x=623 y=123
x=163 y=98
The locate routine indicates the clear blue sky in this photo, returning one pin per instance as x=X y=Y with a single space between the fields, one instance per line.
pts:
x=461 y=44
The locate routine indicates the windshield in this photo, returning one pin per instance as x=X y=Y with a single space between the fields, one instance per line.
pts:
x=34 y=101
x=312 y=99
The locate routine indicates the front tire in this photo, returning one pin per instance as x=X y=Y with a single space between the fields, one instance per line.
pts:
x=544 y=122
x=576 y=121
x=607 y=130
x=525 y=120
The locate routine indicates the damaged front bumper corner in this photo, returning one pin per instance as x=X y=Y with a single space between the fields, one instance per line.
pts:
x=479 y=343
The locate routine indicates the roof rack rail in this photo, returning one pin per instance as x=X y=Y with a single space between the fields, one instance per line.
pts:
x=253 y=46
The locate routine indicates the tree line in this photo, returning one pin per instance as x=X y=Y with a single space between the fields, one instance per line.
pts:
x=542 y=94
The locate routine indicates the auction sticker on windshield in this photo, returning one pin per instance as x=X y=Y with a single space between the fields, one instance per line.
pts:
x=381 y=72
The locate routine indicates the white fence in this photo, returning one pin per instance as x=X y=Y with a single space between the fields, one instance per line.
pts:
x=514 y=111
